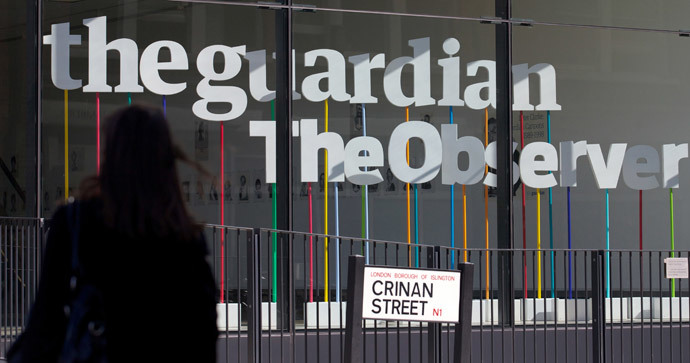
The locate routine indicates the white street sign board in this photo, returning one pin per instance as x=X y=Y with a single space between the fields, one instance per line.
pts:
x=411 y=295
x=676 y=268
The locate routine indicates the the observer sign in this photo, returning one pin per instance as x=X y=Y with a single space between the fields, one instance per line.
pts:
x=411 y=294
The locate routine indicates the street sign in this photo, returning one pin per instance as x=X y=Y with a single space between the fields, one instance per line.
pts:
x=411 y=294
x=676 y=267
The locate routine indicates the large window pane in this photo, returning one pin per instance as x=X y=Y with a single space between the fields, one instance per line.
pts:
x=614 y=86
x=17 y=127
x=472 y=8
x=665 y=14
x=240 y=192
x=391 y=37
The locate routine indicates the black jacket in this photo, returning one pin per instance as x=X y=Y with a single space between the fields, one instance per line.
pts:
x=159 y=294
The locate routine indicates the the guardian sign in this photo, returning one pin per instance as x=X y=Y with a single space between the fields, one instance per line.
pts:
x=216 y=86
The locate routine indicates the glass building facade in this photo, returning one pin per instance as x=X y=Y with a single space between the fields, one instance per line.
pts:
x=604 y=72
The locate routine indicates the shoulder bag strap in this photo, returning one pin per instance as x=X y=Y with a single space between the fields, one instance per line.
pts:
x=73 y=225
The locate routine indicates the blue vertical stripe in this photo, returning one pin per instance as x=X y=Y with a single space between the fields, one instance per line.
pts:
x=570 y=246
x=553 y=277
x=452 y=211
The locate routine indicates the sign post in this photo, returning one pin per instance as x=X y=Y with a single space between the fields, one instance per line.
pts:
x=353 y=327
x=409 y=294
x=463 y=329
x=433 y=260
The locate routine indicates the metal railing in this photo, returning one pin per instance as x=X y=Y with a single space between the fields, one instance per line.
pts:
x=568 y=305
x=21 y=247
x=282 y=298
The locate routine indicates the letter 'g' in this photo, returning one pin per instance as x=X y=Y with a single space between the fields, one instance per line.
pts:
x=235 y=96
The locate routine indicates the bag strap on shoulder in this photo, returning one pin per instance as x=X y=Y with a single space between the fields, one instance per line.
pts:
x=74 y=227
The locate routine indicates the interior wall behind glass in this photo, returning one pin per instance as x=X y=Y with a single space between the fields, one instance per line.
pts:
x=661 y=14
x=471 y=8
x=17 y=131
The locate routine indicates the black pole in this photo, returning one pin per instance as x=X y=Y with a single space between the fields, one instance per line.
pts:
x=598 y=306
x=284 y=116
x=463 y=329
x=254 y=296
x=352 y=350
x=433 y=261
x=285 y=307
x=33 y=104
x=504 y=160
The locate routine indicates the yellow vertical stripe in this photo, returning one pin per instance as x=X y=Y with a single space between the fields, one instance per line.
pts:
x=66 y=145
x=325 y=210
x=486 y=202
x=464 y=220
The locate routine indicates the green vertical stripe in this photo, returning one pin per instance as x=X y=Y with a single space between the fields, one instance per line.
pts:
x=673 y=242
x=274 y=294
x=363 y=212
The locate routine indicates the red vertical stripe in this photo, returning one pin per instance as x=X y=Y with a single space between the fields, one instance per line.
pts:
x=640 y=220
x=524 y=229
x=222 y=174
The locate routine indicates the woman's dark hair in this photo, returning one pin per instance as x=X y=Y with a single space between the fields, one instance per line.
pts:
x=138 y=180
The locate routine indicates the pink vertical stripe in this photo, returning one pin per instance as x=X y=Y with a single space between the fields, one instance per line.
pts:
x=222 y=216
x=311 y=247
x=98 y=133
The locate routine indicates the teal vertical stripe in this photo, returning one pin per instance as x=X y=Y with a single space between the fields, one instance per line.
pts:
x=365 y=195
x=416 y=227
